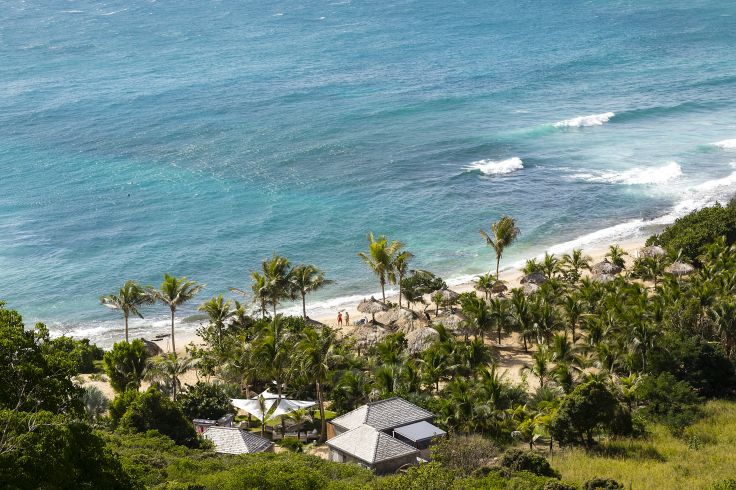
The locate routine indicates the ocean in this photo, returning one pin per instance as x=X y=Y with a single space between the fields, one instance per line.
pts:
x=139 y=138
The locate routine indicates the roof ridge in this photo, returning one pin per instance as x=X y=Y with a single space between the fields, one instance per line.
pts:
x=377 y=443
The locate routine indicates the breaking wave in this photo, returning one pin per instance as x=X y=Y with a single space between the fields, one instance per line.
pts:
x=726 y=144
x=584 y=121
x=633 y=176
x=496 y=167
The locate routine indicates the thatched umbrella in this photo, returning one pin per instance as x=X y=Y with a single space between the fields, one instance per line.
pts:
x=420 y=339
x=398 y=317
x=367 y=336
x=499 y=287
x=449 y=296
x=679 y=269
x=534 y=278
x=653 y=251
x=603 y=277
x=371 y=306
x=454 y=322
x=606 y=268
x=530 y=288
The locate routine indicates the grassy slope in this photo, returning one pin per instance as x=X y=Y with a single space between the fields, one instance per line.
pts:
x=704 y=455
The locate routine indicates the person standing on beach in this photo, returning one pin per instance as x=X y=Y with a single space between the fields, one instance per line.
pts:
x=347 y=318
x=339 y=317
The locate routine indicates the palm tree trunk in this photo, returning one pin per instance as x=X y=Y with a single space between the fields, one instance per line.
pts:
x=320 y=401
x=125 y=315
x=498 y=263
x=399 y=291
x=304 y=305
x=383 y=289
x=274 y=309
x=173 y=343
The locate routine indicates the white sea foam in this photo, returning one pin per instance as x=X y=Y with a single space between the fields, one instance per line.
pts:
x=584 y=121
x=633 y=176
x=496 y=167
x=726 y=144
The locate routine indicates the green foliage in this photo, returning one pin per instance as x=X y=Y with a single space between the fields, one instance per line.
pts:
x=464 y=454
x=292 y=444
x=589 y=406
x=518 y=460
x=95 y=403
x=151 y=410
x=43 y=450
x=671 y=402
x=693 y=232
x=34 y=374
x=125 y=365
x=83 y=353
x=206 y=400
x=602 y=484
x=727 y=484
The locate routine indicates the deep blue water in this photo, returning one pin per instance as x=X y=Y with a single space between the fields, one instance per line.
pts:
x=196 y=138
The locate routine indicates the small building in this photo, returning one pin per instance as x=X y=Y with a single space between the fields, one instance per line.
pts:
x=383 y=435
x=201 y=425
x=231 y=440
x=371 y=448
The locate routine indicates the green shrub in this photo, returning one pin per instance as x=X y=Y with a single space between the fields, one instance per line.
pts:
x=590 y=406
x=671 y=402
x=464 y=454
x=141 y=412
x=518 y=460
x=727 y=484
x=125 y=365
x=602 y=484
x=205 y=400
x=693 y=232
x=558 y=485
x=83 y=353
x=292 y=444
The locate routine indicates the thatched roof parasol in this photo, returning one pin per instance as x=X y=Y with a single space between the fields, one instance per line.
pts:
x=534 y=278
x=449 y=295
x=530 y=288
x=367 y=336
x=679 y=269
x=498 y=287
x=371 y=306
x=420 y=339
x=653 y=251
x=603 y=277
x=398 y=317
x=454 y=322
x=606 y=268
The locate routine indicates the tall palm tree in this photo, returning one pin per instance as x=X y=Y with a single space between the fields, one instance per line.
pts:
x=616 y=254
x=129 y=298
x=503 y=233
x=278 y=287
x=501 y=315
x=317 y=358
x=167 y=369
x=174 y=292
x=478 y=313
x=220 y=312
x=306 y=279
x=400 y=269
x=380 y=258
x=550 y=265
x=260 y=293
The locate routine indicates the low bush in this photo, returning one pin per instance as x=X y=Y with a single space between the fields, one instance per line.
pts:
x=518 y=460
x=292 y=444
x=464 y=454
x=602 y=484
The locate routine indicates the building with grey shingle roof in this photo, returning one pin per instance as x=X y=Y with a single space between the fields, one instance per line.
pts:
x=372 y=448
x=375 y=435
x=231 y=440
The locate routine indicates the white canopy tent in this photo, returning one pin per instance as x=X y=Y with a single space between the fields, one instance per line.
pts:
x=270 y=404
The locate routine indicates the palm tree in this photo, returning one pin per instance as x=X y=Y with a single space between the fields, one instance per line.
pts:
x=477 y=312
x=573 y=308
x=277 y=272
x=306 y=279
x=501 y=315
x=129 y=298
x=550 y=265
x=381 y=257
x=220 y=312
x=272 y=351
x=484 y=283
x=168 y=369
x=174 y=292
x=574 y=264
x=399 y=269
x=616 y=254
x=317 y=357
x=539 y=366
x=503 y=233
x=260 y=293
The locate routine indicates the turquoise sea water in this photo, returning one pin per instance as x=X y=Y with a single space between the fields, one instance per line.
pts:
x=196 y=138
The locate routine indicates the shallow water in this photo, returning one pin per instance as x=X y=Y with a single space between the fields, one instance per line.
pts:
x=143 y=137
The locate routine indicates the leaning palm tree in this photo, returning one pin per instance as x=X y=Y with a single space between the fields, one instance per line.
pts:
x=503 y=233
x=259 y=291
x=174 y=292
x=129 y=298
x=400 y=269
x=305 y=279
x=380 y=258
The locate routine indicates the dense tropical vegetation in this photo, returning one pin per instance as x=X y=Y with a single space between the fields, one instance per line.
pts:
x=627 y=368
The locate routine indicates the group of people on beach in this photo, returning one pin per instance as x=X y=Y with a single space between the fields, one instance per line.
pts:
x=340 y=318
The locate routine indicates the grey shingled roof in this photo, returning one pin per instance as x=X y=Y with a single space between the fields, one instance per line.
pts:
x=383 y=415
x=370 y=445
x=231 y=440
